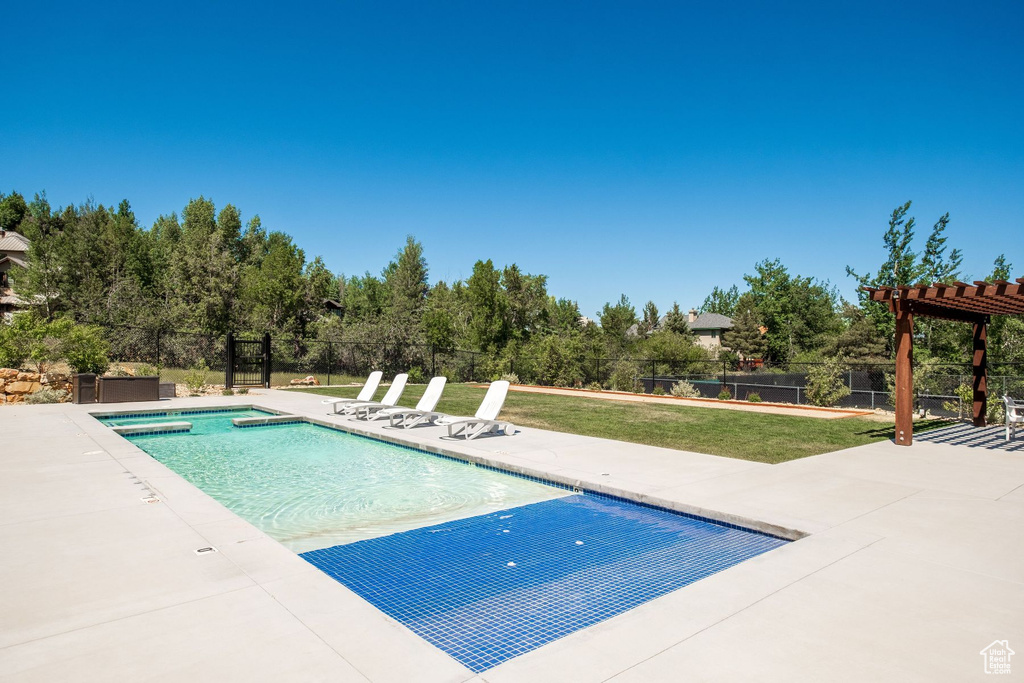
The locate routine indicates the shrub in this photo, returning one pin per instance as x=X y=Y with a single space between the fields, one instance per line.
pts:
x=825 y=382
x=146 y=370
x=12 y=351
x=595 y=386
x=754 y=397
x=625 y=376
x=46 y=396
x=511 y=378
x=684 y=389
x=84 y=348
x=226 y=392
x=118 y=371
x=417 y=375
x=965 y=394
x=195 y=378
x=658 y=391
x=724 y=394
x=242 y=391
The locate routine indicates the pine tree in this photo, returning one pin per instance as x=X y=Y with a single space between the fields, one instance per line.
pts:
x=650 y=319
x=675 y=320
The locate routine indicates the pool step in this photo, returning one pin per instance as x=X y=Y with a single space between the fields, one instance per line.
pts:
x=155 y=428
x=265 y=420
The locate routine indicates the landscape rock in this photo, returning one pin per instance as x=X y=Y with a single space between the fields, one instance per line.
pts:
x=8 y=373
x=23 y=387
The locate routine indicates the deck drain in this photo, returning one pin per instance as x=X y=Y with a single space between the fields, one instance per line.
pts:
x=204 y=551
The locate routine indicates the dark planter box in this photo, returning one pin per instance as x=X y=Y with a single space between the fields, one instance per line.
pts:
x=126 y=389
x=166 y=389
x=83 y=387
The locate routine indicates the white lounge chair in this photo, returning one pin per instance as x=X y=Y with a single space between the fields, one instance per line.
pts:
x=484 y=421
x=365 y=394
x=390 y=398
x=426 y=404
x=1014 y=416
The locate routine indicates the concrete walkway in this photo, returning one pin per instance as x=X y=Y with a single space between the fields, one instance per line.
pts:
x=913 y=562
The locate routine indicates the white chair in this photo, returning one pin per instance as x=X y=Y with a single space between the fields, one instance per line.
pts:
x=416 y=415
x=485 y=421
x=367 y=392
x=390 y=398
x=1014 y=416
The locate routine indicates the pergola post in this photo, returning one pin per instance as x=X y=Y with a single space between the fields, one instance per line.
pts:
x=904 y=375
x=980 y=371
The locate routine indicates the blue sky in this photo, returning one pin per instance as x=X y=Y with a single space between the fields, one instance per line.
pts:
x=651 y=149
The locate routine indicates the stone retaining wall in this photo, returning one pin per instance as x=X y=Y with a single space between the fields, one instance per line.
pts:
x=15 y=385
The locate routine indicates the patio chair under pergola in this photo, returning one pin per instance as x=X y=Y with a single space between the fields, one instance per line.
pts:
x=960 y=302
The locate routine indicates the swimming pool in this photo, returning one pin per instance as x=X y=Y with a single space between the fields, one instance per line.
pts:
x=484 y=565
x=311 y=487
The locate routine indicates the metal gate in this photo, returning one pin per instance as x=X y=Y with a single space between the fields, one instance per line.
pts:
x=248 y=362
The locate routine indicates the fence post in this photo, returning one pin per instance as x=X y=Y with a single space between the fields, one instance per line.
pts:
x=598 y=375
x=433 y=361
x=654 y=371
x=330 y=360
x=229 y=368
x=472 y=366
x=158 y=365
x=266 y=360
x=725 y=379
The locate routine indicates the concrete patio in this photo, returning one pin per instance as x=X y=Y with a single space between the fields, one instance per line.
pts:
x=911 y=562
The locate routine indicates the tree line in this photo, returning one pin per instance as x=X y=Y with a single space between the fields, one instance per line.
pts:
x=207 y=270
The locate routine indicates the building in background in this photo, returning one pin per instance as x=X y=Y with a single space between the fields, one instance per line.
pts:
x=13 y=258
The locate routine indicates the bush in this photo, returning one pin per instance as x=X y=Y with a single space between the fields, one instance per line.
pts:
x=84 y=349
x=625 y=376
x=46 y=396
x=28 y=338
x=754 y=397
x=595 y=386
x=658 y=391
x=684 y=389
x=724 y=394
x=195 y=378
x=146 y=370
x=226 y=392
x=826 y=384
x=118 y=371
x=511 y=378
x=417 y=375
x=965 y=394
x=242 y=391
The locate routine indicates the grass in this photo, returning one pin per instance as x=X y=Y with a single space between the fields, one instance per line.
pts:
x=730 y=433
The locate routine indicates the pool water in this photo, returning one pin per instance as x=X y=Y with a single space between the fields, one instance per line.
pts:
x=492 y=587
x=310 y=487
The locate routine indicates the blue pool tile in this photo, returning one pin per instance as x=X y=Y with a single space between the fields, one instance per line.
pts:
x=575 y=561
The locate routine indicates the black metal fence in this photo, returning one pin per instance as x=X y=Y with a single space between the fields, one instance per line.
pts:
x=336 y=361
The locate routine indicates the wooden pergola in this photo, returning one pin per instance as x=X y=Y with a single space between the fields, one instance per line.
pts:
x=957 y=301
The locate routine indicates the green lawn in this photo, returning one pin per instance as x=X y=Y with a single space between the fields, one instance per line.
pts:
x=731 y=433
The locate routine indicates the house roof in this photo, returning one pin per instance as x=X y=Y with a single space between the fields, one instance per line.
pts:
x=711 y=321
x=15 y=260
x=12 y=241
